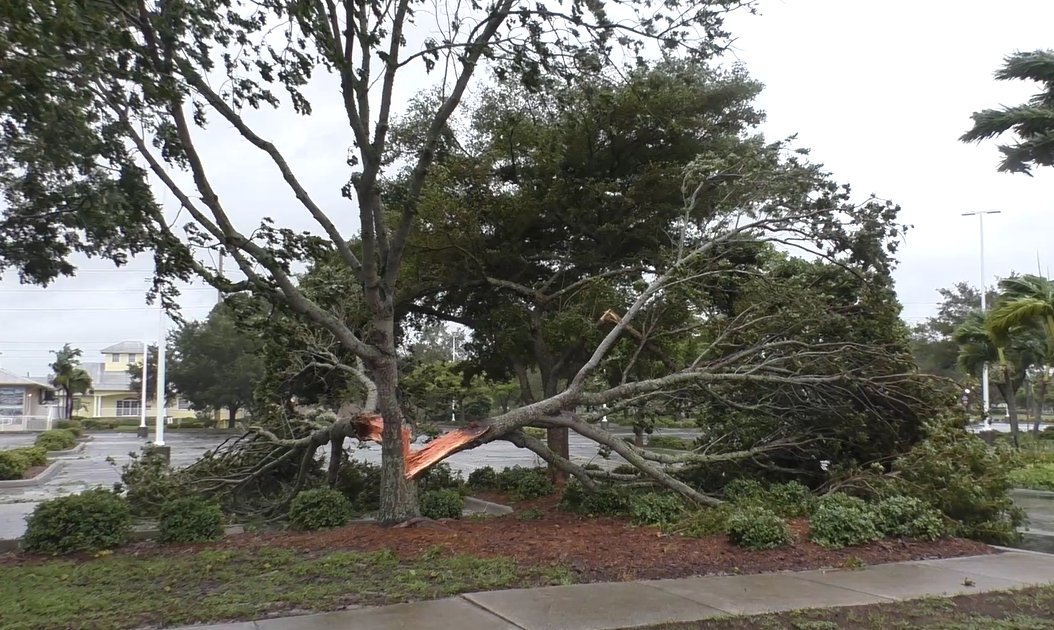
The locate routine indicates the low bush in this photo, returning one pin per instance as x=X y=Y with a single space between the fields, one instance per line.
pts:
x=654 y=508
x=743 y=490
x=606 y=501
x=533 y=486
x=592 y=467
x=56 y=440
x=91 y=521
x=484 y=478
x=149 y=482
x=360 y=482
x=1033 y=477
x=625 y=469
x=440 y=477
x=73 y=426
x=35 y=455
x=95 y=424
x=13 y=464
x=321 y=508
x=189 y=520
x=711 y=521
x=754 y=527
x=840 y=520
x=790 y=499
x=508 y=480
x=908 y=517
x=670 y=442
x=438 y=504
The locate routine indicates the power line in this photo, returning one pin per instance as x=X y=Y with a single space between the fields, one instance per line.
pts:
x=43 y=291
x=76 y=309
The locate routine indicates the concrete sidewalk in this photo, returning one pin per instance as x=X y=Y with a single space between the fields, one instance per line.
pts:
x=624 y=605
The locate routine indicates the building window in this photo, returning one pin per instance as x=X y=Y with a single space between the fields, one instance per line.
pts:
x=182 y=404
x=127 y=407
x=115 y=358
x=12 y=402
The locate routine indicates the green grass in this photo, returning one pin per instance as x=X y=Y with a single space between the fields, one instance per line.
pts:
x=1034 y=477
x=1026 y=609
x=124 y=591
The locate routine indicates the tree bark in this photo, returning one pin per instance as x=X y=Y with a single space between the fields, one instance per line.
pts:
x=336 y=458
x=398 y=495
x=1006 y=391
x=232 y=416
x=1041 y=398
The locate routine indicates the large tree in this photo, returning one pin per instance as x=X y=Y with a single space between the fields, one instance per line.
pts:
x=932 y=342
x=216 y=364
x=69 y=376
x=94 y=92
x=1032 y=122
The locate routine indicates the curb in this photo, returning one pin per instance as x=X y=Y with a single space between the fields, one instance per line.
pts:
x=1025 y=492
x=1028 y=551
x=76 y=450
x=40 y=479
x=479 y=506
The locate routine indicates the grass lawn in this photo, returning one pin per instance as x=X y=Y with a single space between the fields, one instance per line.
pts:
x=1026 y=609
x=187 y=585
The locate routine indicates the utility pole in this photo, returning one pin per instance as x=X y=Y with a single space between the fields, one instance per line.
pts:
x=984 y=369
x=453 y=359
x=159 y=438
x=143 y=431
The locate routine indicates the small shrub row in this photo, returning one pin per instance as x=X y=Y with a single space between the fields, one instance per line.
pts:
x=670 y=442
x=360 y=482
x=790 y=499
x=16 y=462
x=56 y=440
x=1033 y=477
x=440 y=477
x=754 y=527
x=320 y=508
x=520 y=483
x=73 y=426
x=841 y=520
x=437 y=504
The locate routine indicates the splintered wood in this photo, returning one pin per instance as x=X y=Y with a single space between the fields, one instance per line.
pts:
x=370 y=427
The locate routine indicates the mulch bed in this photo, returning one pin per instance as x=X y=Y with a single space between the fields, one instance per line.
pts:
x=594 y=549
x=34 y=471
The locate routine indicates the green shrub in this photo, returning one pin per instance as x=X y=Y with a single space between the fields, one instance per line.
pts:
x=440 y=477
x=508 y=479
x=908 y=517
x=56 y=440
x=439 y=504
x=671 y=442
x=13 y=465
x=93 y=520
x=593 y=467
x=535 y=432
x=754 y=527
x=321 y=508
x=606 y=501
x=149 y=482
x=530 y=514
x=95 y=424
x=704 y=522
x=572 y=497
x=965 y=479
x=842 y=521
x=484 y=478
x=189 y=520
x=35 y=455
x=743 y=490
x=656 y=509
x=790 y=499
x=626 y=469
x=533 y=486
x=360 y=482
x=73 y=426
x=1033 y=477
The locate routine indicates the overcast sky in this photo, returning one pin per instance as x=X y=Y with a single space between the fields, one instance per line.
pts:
x=880 y=91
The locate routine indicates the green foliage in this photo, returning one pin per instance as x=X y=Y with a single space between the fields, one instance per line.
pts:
x=440 y=477
x=606 y=501
x=704 y=522
x=965 y=479
x=67 y=374
x=625 y=469
x=320 y=508
x=56 y=440
x=438 y=504
x=756 y=528
x=149 y=482
x=35 y=455
x=360 y=482
x=592 y=467
x=671 y=442
x=653 y=508
x=535 y=485
x=91 y=521
x=13 y=464
x=190 y=520
x=1033 y=477
x=908 y=517
x=530 y=514
x=483 y=478
x=73 y=426
x=840 y=520
x=508 y=480
x=789 y=499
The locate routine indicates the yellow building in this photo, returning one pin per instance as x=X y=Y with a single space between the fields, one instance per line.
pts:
x=111 y=395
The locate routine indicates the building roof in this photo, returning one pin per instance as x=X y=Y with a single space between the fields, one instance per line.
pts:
x=101 y=380
x=130 y=347
x=10 y=378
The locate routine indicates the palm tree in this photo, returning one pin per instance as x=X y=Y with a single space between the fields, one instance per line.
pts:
x=69 y=376
x=977 y=346
x=1033 y=122
x=1027 y=304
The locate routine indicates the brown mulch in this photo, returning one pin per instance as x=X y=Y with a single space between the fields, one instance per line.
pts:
x=594 y=549
x=34 y=471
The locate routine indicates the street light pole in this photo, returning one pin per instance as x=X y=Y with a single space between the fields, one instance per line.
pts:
x=159 y=430
x=984 y=307
x=143 y=432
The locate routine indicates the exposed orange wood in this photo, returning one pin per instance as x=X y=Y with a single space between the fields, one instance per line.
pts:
x=370 y=426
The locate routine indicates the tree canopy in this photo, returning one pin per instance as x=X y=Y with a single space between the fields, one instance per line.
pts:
x=69 y=376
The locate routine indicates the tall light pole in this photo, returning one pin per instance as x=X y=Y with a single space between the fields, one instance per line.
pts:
x=159 y=430
x=143 y=432
x=453 y=359
x=984 y=306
